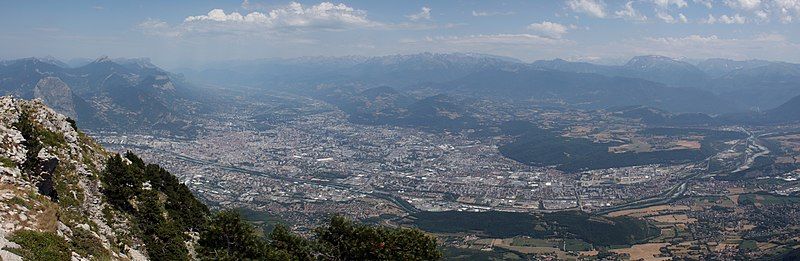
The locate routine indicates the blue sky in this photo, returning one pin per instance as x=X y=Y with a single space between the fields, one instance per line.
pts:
x=185 y=33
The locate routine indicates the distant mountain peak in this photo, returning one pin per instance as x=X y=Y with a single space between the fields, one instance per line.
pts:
x=498 y=57
x=380 y=89
x=650 y=60
x=52 y=60
x=36 y=60
x=141 y=62
x=652 y=57
x=102 y=59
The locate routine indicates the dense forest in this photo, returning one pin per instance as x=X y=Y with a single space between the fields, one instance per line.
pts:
x=545 y=148
x=166 y=215
x=597 y=230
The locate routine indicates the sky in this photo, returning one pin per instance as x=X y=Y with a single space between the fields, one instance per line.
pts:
x=188 y=33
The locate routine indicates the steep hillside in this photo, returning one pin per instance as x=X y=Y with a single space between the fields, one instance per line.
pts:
x=787 y=112
x=50 y=192
x=761 y=87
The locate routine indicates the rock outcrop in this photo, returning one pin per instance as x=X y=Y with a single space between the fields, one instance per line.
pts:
x=56 y=94
x=50 y=188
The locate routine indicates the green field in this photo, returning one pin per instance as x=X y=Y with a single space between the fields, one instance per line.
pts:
x=576 y=245
x=767 y=199
x=454 y=253
x=534 y=242
x=748 y=245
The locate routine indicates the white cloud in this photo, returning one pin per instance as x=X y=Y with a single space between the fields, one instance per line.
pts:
x=743 y=4
x=549 y=29
x=786 y=10
x=734 y=19
x=788 y=4
x=710 y=20
x=767 y=46
x=594 y=8
x=292 y=17
x=219 y=15
x=667 y=18
x=761 y=15
x=486 y=13
x=295 y=15
x=724 y=19
x=257 y=5
x=480 y=13
x=765 y=10
x=424 y=14
x=158 y=28
x=707 y=3
x=683 y=18
x=667 y=3
x=628 y=12
x=489 y=39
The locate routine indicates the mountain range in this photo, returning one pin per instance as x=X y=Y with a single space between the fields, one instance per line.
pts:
x=126 y=93
x=102 y=94
x=748 y=85
x=713 y=85
x=585 y=90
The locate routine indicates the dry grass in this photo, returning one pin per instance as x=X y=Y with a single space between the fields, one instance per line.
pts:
x=648 y=211
x=689 y=144
x=643 y=251
x=634 y=146
x=789 y=141
x=674 y=219
x=788 y=160
x=48 y=219
x=40 y=213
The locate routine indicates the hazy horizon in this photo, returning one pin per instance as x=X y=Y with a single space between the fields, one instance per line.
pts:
x=79 y=61
x=181 y=34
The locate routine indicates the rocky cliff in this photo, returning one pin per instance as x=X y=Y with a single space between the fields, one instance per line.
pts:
x=50 y=189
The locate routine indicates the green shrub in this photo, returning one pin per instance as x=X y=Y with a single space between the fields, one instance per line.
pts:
x=86 y=244
x=42 y=246
x=52 y=139
x=6 y=162
x=228 y=236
